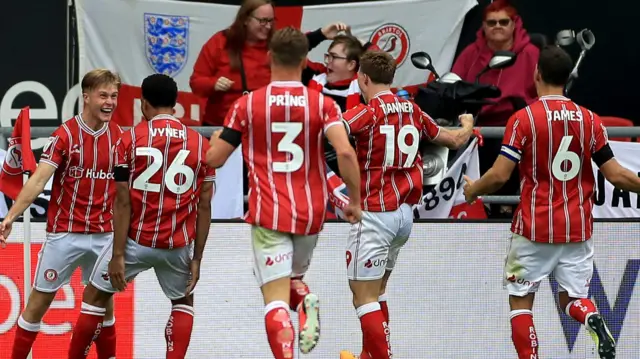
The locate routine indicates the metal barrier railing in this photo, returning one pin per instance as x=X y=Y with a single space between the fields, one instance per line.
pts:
x=487 y=132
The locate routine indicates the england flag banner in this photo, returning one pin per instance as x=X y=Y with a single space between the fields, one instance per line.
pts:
x=611 y=202
x=162 y=36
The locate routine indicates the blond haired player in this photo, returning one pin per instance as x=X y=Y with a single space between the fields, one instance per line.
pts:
x=79 y=217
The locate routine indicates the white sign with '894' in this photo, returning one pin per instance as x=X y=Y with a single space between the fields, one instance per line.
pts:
x=448 y=192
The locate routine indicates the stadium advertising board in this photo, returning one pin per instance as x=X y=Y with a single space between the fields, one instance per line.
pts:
x=446 y=298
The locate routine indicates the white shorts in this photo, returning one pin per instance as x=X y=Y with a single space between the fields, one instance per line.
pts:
x=528 y=263
x=374 y=243
x=172 y=267
x=278 y=255
x=62 y=253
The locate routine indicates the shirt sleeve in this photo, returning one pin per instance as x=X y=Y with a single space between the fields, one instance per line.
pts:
x=430 y=128
x=332 y=113
x=122 y=155
x=55 y=152
x=600 y=136
x=358 y=119
x=237 y=116
x=209 y=172
x=515 y=137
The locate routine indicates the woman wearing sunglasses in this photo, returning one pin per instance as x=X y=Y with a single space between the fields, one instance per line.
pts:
x=501 y=29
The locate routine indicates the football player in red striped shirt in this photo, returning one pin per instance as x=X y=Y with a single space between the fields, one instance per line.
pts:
x=553 y=141
x=387 y=133
x=162 y=206
x=79 y=220
x=281 y=129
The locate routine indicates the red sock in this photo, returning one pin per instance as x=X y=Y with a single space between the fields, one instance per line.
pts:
x=580 y=309
x=25 y=336
x=523 y=334
x=279 y=329
x=298 y=291
x=86 y=330
x=106 y=341
x=375 y=331
x=178 y=331
x=383 y=306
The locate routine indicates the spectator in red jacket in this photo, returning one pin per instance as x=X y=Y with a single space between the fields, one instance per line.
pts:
x=241 y=47
x=502 y=29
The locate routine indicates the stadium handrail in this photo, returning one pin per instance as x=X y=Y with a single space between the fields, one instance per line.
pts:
x=487 y=132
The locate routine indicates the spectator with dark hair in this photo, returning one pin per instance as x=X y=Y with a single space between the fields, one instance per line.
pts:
x=234 y=61
x=502 y=29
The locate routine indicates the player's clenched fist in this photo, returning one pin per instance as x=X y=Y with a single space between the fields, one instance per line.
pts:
x=5 y=230
x=223 y=84
x=469 y=196
x=466 y=120
x=352 y=212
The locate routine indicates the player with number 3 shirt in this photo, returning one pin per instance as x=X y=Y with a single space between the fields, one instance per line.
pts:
x=162 y=207
x=553 y=141
x=281 y=128
x=387 y=133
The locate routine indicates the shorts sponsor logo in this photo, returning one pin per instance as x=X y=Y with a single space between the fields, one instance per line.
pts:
x=105 y=277
x=521 y=281
x=50 y=275
x=349 y=257
x=375 y=263
x=277 y=259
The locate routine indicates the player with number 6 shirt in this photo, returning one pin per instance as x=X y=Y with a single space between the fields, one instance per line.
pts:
x=554 y=141
x=162 y=214
x=281 y=128
x=387 y=132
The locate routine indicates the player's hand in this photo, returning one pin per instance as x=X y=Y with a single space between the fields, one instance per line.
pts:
x=352 y=212
x=116 y=273
x=5 y=230
x=466 y=120
x=468 y=196
x=223 y=84
x=195 y=276
x=332 y=30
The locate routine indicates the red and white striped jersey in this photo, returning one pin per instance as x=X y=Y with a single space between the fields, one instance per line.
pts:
x=282 y=128
x=553 y=140
x=387 y=132
x=167 y=168
x=82 y=189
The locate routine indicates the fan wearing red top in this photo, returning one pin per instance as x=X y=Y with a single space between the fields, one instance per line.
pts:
x=387 y=132
x=162 y=206
x=553 y=141
x=79 y=222
x=281 y=129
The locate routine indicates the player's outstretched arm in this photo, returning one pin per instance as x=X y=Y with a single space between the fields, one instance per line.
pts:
x=223 y=143
x=491 y=181
x=121 y=222
x=203 y=224
x=455 y=139
x=620 y=176
x=31 y=190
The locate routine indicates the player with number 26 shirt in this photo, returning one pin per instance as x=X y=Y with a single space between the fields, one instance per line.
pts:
x=387 y=133
x=554 y=141
x=162 y=206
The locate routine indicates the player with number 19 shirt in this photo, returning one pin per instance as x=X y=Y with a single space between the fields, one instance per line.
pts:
x=388 y=132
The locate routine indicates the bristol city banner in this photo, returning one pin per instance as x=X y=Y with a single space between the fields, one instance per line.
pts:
x=117 y=34
x=611 y=202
